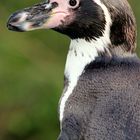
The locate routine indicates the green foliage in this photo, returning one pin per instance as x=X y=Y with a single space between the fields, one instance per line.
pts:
x=31 y=78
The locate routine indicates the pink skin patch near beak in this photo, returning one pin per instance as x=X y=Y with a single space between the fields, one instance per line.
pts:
x=56 y=19
x=58 y=14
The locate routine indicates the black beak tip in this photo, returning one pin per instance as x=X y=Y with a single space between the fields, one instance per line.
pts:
x=14 y=28
x=11 y=24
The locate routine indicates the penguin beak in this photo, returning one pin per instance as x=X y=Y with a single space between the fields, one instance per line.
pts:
x=45 y=15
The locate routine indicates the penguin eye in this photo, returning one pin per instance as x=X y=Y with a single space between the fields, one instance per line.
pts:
x=73 y=3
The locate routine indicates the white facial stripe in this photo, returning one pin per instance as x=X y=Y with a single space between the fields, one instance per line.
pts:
x=106 y=34
x=82 y=53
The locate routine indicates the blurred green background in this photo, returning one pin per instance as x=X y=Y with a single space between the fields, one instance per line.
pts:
x=31 y=77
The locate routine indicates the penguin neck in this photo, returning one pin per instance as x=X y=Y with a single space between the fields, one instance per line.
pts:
x=82 y=53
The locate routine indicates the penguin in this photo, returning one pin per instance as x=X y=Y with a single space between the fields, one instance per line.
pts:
x=101 y=96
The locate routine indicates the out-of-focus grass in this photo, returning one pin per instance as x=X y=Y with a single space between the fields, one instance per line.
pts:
x=31 y=78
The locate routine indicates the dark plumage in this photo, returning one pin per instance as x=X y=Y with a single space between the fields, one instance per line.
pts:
x=105 y=104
